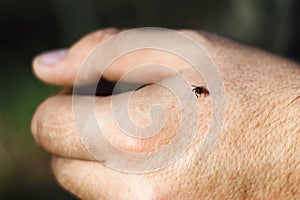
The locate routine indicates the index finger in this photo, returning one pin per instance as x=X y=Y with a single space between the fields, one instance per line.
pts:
x=55 y=128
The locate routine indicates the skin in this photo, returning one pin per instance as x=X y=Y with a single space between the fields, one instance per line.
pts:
x=256 y=157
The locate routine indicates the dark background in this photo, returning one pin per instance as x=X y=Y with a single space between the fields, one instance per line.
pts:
x=28 y=27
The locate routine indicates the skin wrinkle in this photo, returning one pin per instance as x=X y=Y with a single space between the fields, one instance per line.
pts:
x=293 y=101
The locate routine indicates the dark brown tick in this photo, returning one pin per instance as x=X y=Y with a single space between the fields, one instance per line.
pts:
x=199 y=90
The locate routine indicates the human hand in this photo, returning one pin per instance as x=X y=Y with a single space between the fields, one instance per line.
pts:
x=256 y=156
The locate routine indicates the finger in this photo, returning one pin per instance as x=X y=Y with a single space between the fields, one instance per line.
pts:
x=55 y=129
x=91 y=180
x=61 y=67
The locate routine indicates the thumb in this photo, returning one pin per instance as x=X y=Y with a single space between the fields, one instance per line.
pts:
x=61 y=67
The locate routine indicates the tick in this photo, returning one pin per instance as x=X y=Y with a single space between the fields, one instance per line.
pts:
x=199 y=90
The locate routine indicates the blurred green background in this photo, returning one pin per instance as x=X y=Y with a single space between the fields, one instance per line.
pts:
x=29 y=27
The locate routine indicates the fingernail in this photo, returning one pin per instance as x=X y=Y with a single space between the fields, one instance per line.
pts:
x=52 y=57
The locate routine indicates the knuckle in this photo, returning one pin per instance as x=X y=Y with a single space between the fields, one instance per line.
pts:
x=100 y=35
x=49 y=121
x=60 y=169
x=203 y=37
x=35 y=122
x=80 y=184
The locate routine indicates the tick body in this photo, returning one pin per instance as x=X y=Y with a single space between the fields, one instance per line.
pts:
x=199 y=90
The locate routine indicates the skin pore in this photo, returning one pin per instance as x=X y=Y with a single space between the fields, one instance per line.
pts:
x=256 y=157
